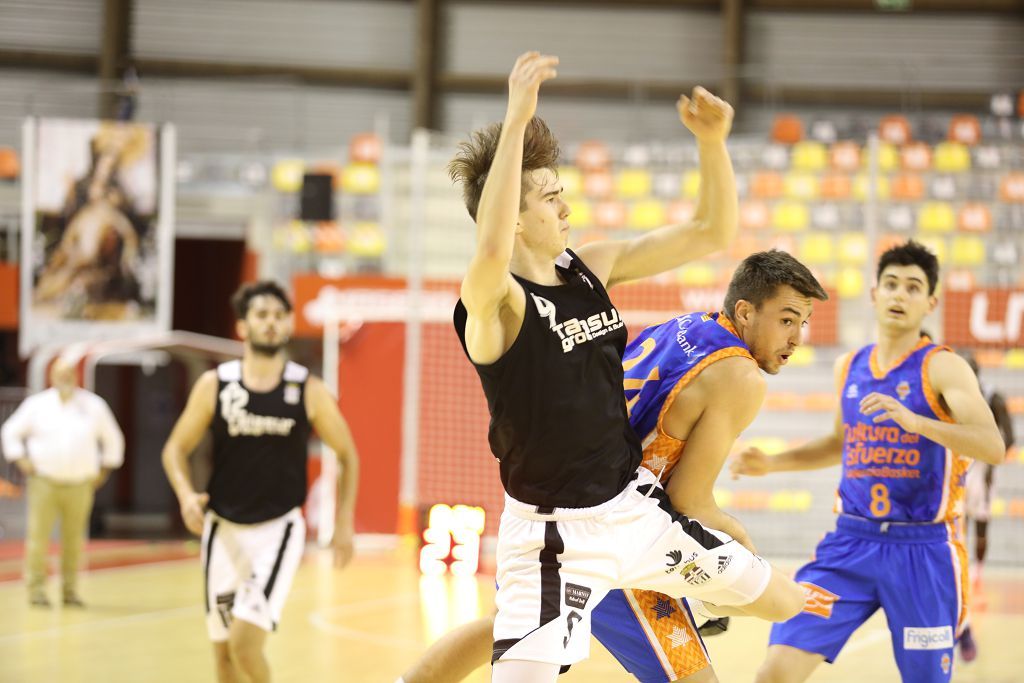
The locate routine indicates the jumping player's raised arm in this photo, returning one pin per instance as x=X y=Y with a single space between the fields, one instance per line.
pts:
x=813 y=455
x=488 y=285
x=187 y=433
x=727 y=412
x=332 y=428
x=714 y=223
x=973 y=431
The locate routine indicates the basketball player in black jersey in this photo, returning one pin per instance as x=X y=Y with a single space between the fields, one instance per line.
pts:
x=260 y=411
x=536 y=321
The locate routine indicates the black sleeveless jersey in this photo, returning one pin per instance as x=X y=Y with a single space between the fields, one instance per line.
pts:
x=558 y=417
x=259 y=446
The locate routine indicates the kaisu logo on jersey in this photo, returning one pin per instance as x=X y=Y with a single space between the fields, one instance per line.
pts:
x=233 y=400
x=575 y=331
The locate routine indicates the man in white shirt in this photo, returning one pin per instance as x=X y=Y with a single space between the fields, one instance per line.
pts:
x=66 y=442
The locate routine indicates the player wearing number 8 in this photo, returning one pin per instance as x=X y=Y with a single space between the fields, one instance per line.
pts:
x=911 y=418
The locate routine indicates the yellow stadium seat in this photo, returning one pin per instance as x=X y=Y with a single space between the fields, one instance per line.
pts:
x=967 y=251
x=366 y=240
x=888 y=157
x=850 y=283
x=646 y=214
x=360 y=178
x=801 y=185
x=952 y=157
x=723 y=498
x=691 y=184
x=572 y=181
x=582 y=215
x=300 y=240
x=809 y=156
x=790 y=216
x=937 y=245
x=1014 y=360
x=769 y=444
x=286 y=176
x=860 y=187
x=698 y=275
x=633 y=183
x=936 y=217
x=802 y=357
x=817 y=249
x=853 y=249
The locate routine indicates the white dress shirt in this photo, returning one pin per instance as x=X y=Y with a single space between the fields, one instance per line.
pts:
x=64 y=441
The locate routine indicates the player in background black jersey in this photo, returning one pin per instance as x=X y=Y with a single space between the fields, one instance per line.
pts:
x=260 y=411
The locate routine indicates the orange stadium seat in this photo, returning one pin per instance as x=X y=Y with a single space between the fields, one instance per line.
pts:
x=975 y=217
x=598 y=184
x=894 y=129
x=10 y=165
x=1011 y=187
x=633 y=183
x=593 y=155
x=836 y=186
x=766 y=185
x=754 y=215
x=360 y=178
x=790 y=217
x=845 y=156
x=809 y=155
x=965 y=129
x=646 y=214
x=936 y=217
x=610 y=214
x=331 y=168
x=572 y=181
x=967 y=251
x=328 y=238
x=680 y=211
x=916 y=156
x=907 y=187
x=801 y=185
x=365 y=147
x=952 y=157
x=787 y=129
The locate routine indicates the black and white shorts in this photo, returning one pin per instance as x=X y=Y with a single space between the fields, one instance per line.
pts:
x=555 y=567
x=248 y=570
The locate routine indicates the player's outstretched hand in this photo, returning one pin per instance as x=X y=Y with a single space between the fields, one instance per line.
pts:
x=193 y=509
x=750 y=461
x=888 y=408
x=343 y=546
x=531 y=69
x=708 y=117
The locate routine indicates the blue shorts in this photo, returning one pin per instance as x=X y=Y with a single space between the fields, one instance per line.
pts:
x=916 y=573
x=652 y=635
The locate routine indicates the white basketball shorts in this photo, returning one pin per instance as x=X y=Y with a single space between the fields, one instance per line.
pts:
x=555 y=566
x=248 y=570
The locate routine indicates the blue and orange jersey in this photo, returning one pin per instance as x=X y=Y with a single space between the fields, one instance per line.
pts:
x=659 y=363
x=889 y=474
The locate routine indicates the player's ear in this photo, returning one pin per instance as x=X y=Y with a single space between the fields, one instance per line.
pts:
x=743 y=311
x=241 y=329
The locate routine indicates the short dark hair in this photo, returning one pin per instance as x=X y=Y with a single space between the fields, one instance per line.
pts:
x=759 y=276
x=911 y=253
x=250 y=290
x=472 y=163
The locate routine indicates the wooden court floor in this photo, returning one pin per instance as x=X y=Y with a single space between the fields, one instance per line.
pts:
x=144 y=623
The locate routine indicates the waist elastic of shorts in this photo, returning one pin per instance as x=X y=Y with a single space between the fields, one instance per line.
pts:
x=894 y=532
x=546 y=514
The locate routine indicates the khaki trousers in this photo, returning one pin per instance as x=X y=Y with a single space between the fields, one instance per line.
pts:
x=49 y=501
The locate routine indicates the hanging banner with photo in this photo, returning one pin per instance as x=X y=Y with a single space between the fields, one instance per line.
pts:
x=97 y=230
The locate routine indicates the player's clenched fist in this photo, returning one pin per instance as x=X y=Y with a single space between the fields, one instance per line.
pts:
x=708 y=117
x=750 y=461
x=531 y=69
